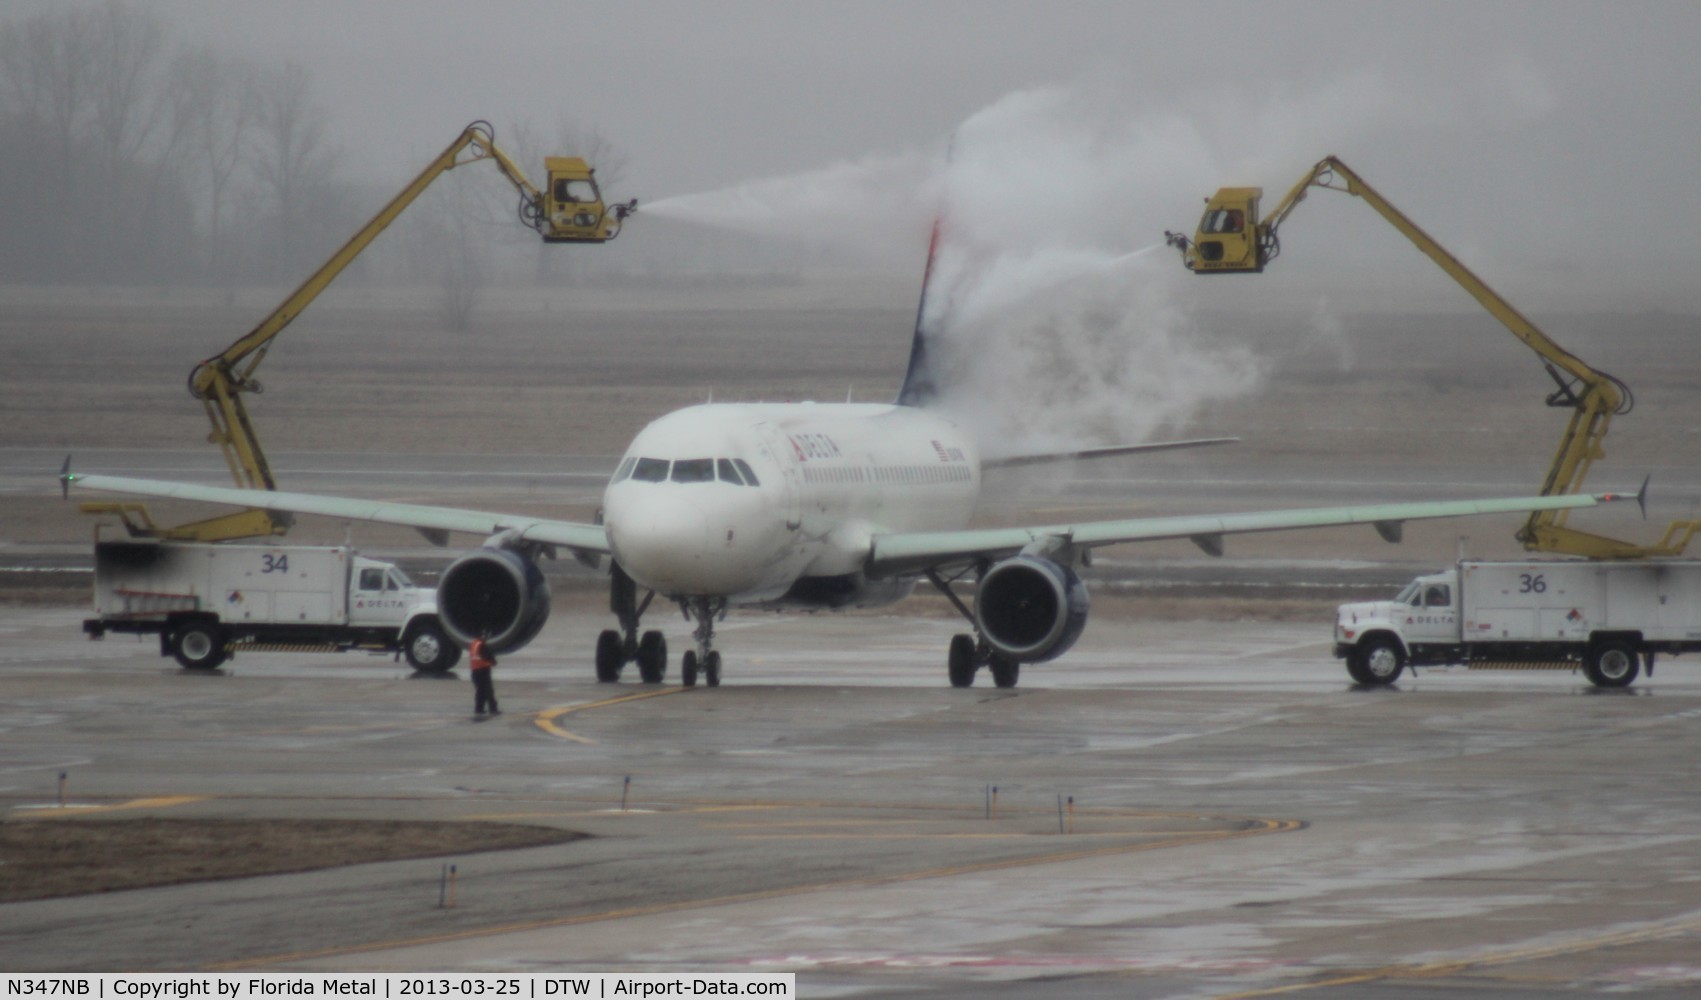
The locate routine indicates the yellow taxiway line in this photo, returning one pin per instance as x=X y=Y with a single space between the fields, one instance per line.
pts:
x=70 y=810
x=545 y=720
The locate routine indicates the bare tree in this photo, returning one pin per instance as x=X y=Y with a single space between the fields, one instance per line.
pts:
x=293 y=159
x=127 y=104
x=215 y=100
x=85 y=85
x=44 y=70
x=465 y=234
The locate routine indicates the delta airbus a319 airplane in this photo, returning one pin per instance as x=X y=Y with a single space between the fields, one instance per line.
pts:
x=802 y=505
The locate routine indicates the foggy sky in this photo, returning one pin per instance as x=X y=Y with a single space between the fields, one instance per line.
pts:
x=1548 y=143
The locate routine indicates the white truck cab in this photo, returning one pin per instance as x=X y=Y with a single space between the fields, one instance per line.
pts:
x=1376 y=638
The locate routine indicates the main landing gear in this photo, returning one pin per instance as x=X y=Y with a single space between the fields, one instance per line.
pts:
x=615 y=649
x=969 y=653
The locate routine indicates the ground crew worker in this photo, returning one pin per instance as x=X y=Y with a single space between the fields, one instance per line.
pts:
x=484 y=689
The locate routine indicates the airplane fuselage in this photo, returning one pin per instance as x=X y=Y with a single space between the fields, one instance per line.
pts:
x=777 y=503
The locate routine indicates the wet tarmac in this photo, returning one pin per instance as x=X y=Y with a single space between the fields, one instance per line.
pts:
x=1182 y=810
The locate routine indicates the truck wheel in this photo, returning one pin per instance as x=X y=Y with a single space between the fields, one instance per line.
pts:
x=1612 y=665
x=199 y=645
x=429 y=651
x=1376 y=662
x=652 y=657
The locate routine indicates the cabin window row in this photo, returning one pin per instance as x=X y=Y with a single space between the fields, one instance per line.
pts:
x=887 y=474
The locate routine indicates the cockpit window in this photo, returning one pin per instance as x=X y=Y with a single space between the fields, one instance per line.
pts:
x=686 y=470
x=694 y=470
x=650 y=470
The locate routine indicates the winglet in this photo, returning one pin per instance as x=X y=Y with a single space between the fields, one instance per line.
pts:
x=65 y=478
x=1640 y=496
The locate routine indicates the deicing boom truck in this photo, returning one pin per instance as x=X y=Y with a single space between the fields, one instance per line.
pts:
x=1609 y=619
x=208 y=601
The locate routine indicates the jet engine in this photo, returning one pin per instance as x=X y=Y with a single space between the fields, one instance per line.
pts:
x=497 y=594
x=1031 y=609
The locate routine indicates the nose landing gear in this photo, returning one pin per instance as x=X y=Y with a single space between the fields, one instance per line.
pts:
x=616 y=648
x=705 y=611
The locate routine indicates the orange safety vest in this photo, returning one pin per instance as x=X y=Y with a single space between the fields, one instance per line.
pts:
x=480 y=660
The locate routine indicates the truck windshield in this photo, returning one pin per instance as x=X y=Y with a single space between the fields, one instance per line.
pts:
x=1405 y=596
x=573 y=189
x=1222 y=220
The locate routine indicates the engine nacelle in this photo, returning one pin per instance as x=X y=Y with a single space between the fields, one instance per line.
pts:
x=1031 y=609
x=498 y=594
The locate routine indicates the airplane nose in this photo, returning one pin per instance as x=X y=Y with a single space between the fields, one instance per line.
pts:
x=665 y=543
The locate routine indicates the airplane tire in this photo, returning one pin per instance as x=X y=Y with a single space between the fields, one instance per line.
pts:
x=1005 y=671
x=712 y=668
x=652 y=657
x=688 y=668
x=960 y=664
x=611 y=656
x=199 y=645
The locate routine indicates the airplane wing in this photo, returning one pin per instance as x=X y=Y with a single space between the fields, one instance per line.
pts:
x=890 y=554
x=912 y=552
x=1038 y=458
x=588 y=540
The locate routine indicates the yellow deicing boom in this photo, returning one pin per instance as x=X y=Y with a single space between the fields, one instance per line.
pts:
x=1231 y=239
x=569 y=209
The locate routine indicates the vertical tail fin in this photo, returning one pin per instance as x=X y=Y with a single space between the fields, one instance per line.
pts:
x=919 y=388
